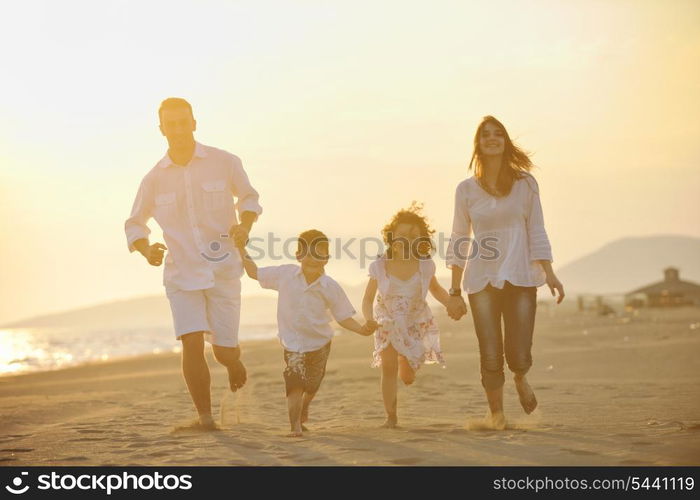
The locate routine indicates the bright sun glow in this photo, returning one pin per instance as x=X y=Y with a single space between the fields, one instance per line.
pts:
x=343 y=112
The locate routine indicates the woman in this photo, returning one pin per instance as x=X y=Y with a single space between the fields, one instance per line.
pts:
x=508 y=258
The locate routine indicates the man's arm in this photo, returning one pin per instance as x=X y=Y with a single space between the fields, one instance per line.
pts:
x=136 y=226
x=248 y=218
x=152 y=253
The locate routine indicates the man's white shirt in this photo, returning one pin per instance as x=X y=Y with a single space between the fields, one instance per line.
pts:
x=194 y=206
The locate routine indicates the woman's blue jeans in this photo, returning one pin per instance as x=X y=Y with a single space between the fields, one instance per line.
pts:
x=516 y=305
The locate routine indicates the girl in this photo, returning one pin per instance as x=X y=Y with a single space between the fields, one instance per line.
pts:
x=407 y=335
x=509 y=257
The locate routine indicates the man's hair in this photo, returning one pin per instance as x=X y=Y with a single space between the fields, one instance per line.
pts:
x=173 y=103
x=308 y=240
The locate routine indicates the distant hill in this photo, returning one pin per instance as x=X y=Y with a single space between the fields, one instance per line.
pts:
x=141 y=312
x=628 y=263
x=617 y=267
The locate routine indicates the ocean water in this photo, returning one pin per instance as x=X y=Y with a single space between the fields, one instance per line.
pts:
x=25 y=350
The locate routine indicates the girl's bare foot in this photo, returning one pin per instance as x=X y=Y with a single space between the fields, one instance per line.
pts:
x=527 y=396
x=237 y=375
x=406 y=373
x=391 y=422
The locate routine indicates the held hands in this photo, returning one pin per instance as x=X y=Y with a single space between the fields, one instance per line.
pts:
x=240 y=235
x=554 y=284
x=154 y=253
x=456 y=307
x=369 y=327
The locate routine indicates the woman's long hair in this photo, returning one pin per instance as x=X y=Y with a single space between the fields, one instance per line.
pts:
x=516 y=162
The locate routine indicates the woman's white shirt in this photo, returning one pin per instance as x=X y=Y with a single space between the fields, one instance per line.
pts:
x=508 y=236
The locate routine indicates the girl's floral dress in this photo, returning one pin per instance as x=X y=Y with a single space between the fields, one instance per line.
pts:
x=405 y=319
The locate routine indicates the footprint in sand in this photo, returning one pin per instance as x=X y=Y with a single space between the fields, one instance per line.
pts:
x=579 y=452
x=406 y=461
x=632 y=462
x=251 y=444
x=442 y=425
x=159 y=454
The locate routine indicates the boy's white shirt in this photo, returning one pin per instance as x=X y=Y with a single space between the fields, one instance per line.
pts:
x=303 y=319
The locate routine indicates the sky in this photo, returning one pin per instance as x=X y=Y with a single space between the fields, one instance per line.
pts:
x=342 y=113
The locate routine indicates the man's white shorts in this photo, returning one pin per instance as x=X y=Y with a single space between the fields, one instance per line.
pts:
x=216 y=311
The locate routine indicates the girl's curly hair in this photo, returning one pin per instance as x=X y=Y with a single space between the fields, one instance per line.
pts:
x=411 y=215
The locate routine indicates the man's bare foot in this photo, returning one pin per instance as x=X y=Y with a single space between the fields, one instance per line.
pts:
x=237 y=375
x=498 y=420
x=391 y=422
x=207 y=422
x=527 y=396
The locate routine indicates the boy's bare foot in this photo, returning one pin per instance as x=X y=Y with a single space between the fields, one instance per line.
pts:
x=527 y=396
x=237 y=375
x=391 y=422
x=296 y=431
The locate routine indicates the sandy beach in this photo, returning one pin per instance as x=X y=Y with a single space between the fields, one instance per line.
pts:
x=614 y=390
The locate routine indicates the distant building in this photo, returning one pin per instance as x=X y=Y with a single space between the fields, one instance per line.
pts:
x=672 y=291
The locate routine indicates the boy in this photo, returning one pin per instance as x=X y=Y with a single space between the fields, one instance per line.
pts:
x=306 y=294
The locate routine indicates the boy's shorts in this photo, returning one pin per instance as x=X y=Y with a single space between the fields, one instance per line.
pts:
x=214 y=310
x=305 y=370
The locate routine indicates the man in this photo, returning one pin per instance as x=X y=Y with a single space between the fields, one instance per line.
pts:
x=190 y=193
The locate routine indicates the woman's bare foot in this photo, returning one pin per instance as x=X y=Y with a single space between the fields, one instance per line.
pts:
x=498 y=420
x=527 y=396
x=237 y=375
x=294 y=434
x=391 y=422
